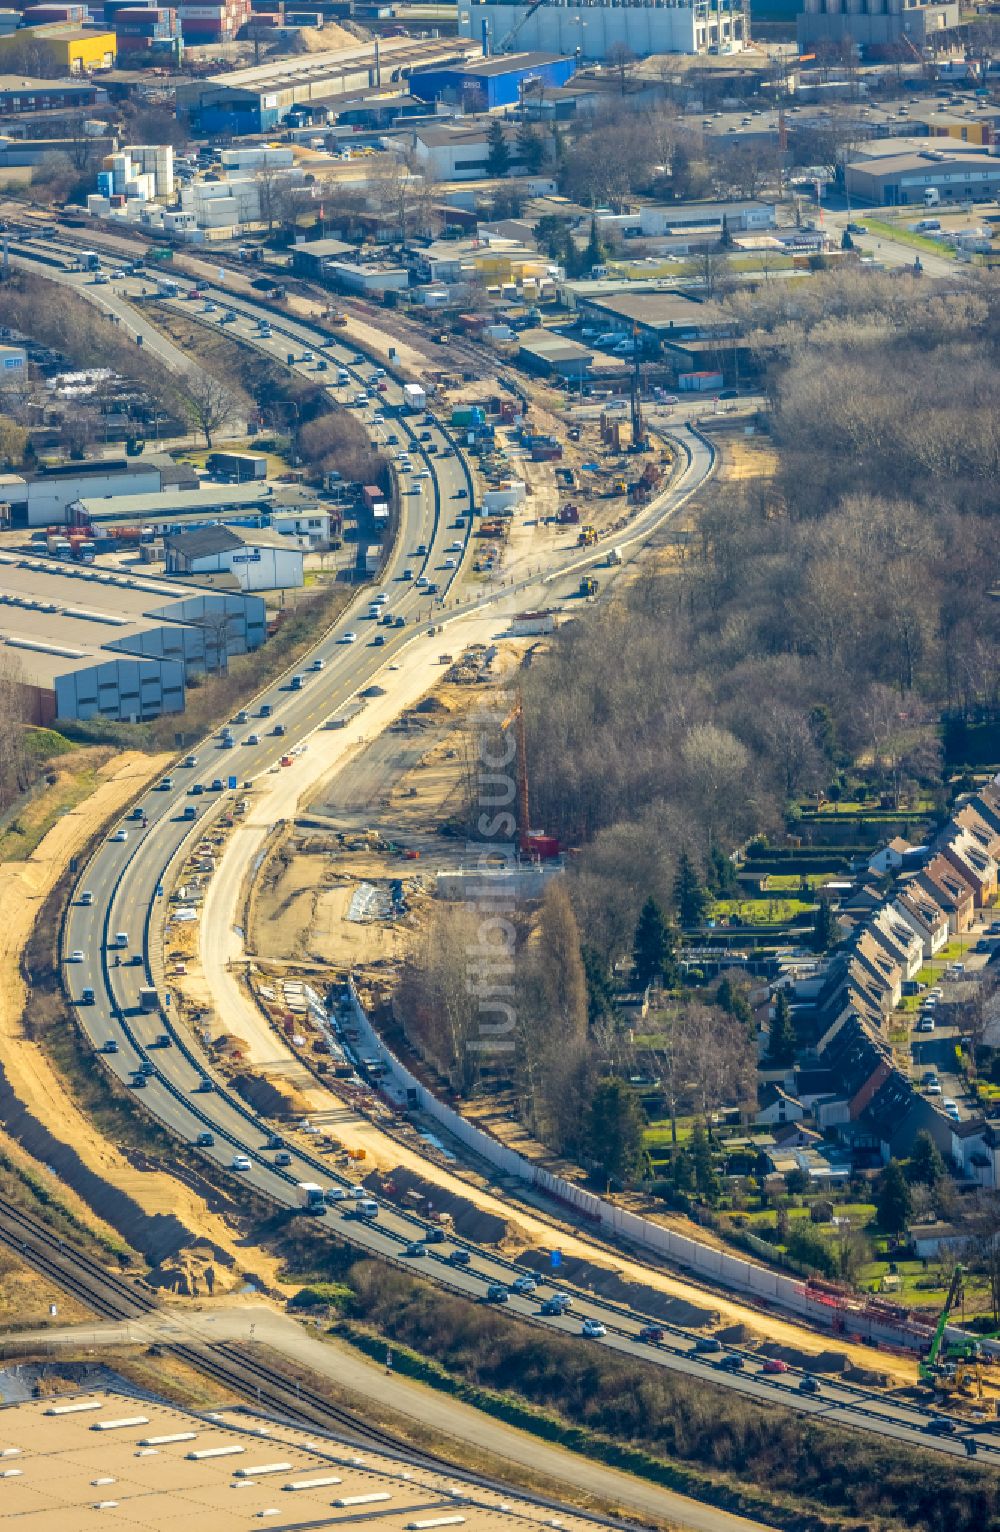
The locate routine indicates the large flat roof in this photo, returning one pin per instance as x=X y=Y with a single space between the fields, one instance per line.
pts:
x=58 y=587
x=901 y=164
x=304 y=67
x=87 y=1461
x=661 y=311
x=508 y=63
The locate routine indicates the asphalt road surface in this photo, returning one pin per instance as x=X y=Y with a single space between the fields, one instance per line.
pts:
x=116 y=917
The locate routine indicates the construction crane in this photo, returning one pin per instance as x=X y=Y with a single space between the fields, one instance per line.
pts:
x=639 y=438
x=504 y=46
x=516 y=717
x=929 y=1370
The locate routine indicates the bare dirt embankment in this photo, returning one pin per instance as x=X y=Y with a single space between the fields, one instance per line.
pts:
x=115 y=1192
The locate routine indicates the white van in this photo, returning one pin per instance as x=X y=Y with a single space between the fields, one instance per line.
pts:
x=367 y=1208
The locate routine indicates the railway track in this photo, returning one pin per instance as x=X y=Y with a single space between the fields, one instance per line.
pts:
x=236 y=1368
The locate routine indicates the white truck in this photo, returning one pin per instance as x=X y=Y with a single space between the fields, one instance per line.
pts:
x=313 y=1198
x=414 y=397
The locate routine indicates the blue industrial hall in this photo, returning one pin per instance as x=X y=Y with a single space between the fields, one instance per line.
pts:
x=493 y=82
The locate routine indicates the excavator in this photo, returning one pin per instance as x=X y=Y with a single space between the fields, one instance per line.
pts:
x=960 y=1369
x=930 y=1367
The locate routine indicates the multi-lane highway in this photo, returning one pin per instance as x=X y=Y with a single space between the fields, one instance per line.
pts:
x=113 y=928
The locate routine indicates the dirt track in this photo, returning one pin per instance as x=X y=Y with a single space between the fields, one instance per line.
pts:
x=39 y=1112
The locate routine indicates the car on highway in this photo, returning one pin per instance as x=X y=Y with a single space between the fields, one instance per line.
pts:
x=335 y=1194
x=497 y=1293
x=266 y=710
x=857 y=228
x=728 y=393
x=252 y=739
x=455 y=547
x=434 y=1236
x=773 y=1365
x=809 y=1385
x=110 y=1046
x=282 y=1157
x=941 y=1425
x=240 y=1162
x=318 y=664
x=524 y=1285
x=87 y=897
x=733 y=1362
x=76 y=956
x=559 y=1303
x=416 y=1249
x=652 y=1334
x=459 y=1258
x=593 y=1329
x=349 y=638
x=460 y=494
x=205 y=1140
x=217 y=785
x=378 y=641
x=708 y=1343
x=164 y=784
x=449 y=563
x=196 y=789
x=190 y=760
x=119 y=835
x=204 y=1087
x=279 y=730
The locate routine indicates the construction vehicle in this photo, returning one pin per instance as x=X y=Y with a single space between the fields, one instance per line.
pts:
x=930 y=1367
x=535 y=842
x=587 y=537
x=589 y=586
x=569 y=514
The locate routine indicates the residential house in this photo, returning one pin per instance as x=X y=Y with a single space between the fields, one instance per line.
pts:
x=975 y=1148
x=898 y=940
x=981 y=821
x=885 y=969
x=794 y=1135
x=890 y=857
x=925 y=917
x=929 y=1239
x=777 y=1106
x=812 y=1085
x=972 y=861
x=951 y=891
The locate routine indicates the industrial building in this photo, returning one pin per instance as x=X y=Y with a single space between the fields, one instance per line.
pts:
x=706 y=218
x=72 y=49
x=88 y=1458
x=594 y=31
x=875 y=29
x=43 y=498
x=546 y=351
x=255 y=557
x=459 y=151
x=88 y=643
x=656 y=315
x=488 y=83
x=901 y=180
x=18 y=94
x=256 y=99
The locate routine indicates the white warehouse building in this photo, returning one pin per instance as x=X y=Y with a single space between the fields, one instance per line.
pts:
x=86 y=643
x=594 y=31
x=256 y=557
